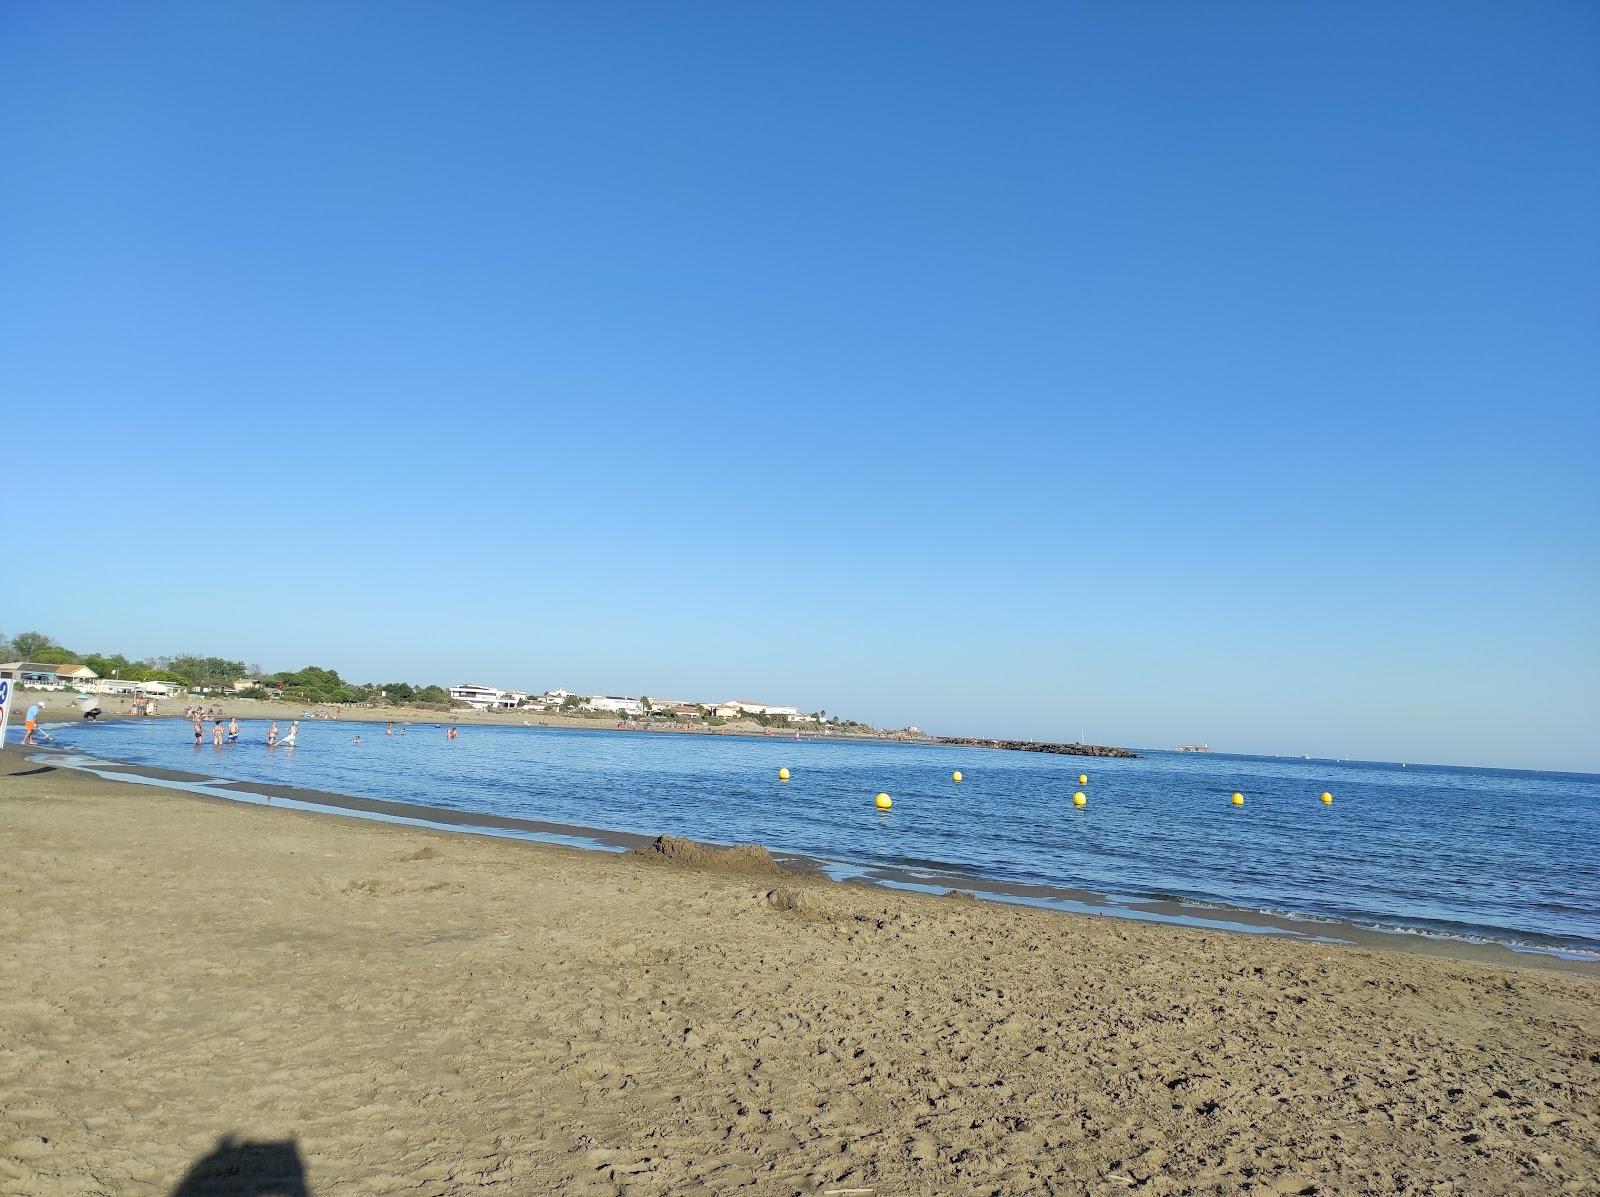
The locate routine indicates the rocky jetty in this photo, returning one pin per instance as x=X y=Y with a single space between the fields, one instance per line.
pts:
x=1038 y=746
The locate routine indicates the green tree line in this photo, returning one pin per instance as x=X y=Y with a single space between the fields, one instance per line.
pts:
x=311 y=684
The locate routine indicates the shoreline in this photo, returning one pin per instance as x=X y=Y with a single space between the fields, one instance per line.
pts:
x=1061 y=900
x=195 y=987
x=266 y=710
x=199 y=988
x=278 y=709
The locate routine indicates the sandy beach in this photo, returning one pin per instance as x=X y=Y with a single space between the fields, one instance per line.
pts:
x=253 y=710
x=200 y=997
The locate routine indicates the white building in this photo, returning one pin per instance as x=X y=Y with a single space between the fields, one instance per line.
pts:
x=741 y=707
x=615 y=705
x=118 y=685
x=485 y=698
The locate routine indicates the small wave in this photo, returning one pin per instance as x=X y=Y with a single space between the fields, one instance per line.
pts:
x=1567 y=951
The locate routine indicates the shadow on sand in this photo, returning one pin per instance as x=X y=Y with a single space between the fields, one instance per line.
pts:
x=242 y=1168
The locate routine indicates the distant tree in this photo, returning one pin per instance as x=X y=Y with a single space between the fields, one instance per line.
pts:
x=112 y=666
x=313 y=684
x=433 y=696
x=572 y=700
x=28 y=645
x=206 y=671
x=399 y=692
x=644 y=702
x=54 y=655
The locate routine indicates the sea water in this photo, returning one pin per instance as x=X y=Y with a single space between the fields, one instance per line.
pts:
x=1501 y=855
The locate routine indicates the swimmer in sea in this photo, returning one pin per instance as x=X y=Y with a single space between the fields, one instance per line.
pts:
x=288 y=740
x=272 y=735
x=216 y=733
x=357 y=740
x=389 y=731
x=199 y=729
x=233 y=731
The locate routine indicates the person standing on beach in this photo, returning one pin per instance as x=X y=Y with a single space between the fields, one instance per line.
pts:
x=30 y=722
x=272 y=735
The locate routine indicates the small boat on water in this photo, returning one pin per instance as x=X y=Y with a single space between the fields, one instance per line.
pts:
x=1194 y=748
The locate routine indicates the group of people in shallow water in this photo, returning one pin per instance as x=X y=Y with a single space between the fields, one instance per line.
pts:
x=275 y=739
x=231 y=736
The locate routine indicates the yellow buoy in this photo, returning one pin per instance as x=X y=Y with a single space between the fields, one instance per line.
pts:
x=883 y=801
x=1078 y=799
x=1083 y=779
x=956 y=776
x=1327 y=798
x=1238 y=799
x=783 y=775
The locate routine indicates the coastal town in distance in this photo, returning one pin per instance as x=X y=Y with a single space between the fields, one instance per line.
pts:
x=141 y=686
x=51 y=667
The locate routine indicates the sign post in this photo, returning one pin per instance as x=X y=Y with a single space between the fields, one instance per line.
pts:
x=7 y=689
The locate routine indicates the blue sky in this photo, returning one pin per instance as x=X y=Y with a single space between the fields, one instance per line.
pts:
x=1154 y=372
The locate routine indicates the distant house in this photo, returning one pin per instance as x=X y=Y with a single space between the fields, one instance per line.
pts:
x=37 y=675
x=550 y=700
x=725 y=710
x=678 y=710
x=131 y=688
x=613 y=704
x=484 y=698
x=740 y=706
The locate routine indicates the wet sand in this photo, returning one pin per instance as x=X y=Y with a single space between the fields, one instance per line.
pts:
x=386 y=1009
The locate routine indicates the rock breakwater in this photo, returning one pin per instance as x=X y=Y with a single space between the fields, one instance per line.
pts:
x=1038 y=746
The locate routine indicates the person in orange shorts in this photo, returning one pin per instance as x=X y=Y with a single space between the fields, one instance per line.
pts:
x=30 y=722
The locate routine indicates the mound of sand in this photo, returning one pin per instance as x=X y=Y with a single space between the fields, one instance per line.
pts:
x=691 y=854
x=811 y=903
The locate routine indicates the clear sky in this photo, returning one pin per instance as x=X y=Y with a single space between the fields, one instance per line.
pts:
x=1155 y=372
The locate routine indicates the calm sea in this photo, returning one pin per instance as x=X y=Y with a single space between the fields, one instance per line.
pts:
x=1490 y=854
